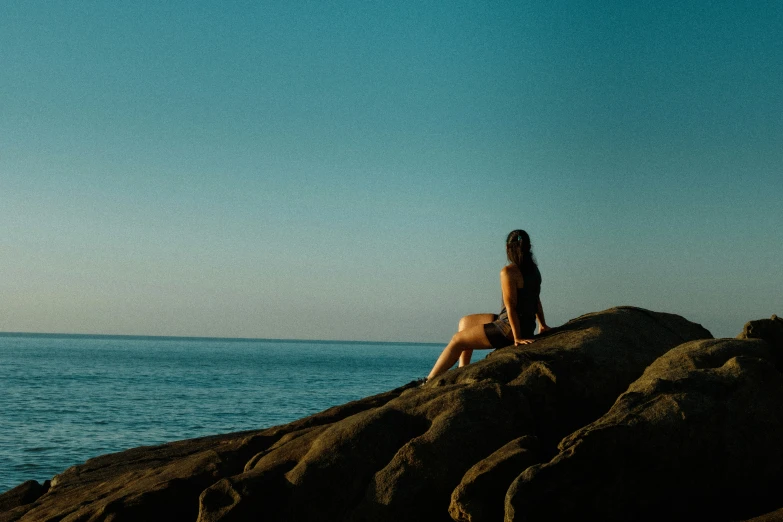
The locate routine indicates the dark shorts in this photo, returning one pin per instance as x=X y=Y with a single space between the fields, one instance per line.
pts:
x=499 y=333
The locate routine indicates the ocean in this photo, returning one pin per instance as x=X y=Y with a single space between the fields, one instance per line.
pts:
x=67 y=398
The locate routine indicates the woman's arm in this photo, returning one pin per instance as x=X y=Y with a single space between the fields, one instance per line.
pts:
x=542 y=327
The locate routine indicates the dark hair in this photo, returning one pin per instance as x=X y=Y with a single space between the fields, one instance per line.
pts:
x=518 y=249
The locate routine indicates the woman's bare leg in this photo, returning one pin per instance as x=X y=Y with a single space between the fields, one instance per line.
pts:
x=469 y=321
x=472 y=338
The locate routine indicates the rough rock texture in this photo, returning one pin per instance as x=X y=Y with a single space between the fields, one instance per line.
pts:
x=160 y=483
x=480 y=496
x=771 y=330
x=774 y=516
x=22 y=495
x=696 y=437
x=481 y=442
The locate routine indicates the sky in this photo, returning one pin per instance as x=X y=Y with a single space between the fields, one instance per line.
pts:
x=350 y=169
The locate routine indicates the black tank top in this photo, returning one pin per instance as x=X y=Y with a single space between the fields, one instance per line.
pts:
x=527 y=299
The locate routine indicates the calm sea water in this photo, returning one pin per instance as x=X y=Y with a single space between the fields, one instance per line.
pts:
x=64 y=399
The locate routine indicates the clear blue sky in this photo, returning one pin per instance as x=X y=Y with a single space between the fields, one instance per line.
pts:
x=349 y=170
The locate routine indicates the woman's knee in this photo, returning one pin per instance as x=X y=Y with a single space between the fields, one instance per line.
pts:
x=465 y=322
x=469 y=321
x=459 y=341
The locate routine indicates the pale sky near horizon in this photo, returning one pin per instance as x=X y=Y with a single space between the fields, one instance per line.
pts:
x=349 y=170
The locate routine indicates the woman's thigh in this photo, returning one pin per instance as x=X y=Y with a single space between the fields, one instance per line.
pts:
x=473 y=338
x=469 y=321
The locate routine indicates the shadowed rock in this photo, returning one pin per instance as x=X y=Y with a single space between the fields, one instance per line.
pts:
x=481 y=494
x=774 y=516
x=22 y=495
x=770 y=330
x=697 y=437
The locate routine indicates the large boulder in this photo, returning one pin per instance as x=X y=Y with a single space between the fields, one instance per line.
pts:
x=696 y=437
x=770 y=330
x=445 y=428
x=450 y=447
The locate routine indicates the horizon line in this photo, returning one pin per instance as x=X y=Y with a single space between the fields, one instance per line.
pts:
x=199 y=338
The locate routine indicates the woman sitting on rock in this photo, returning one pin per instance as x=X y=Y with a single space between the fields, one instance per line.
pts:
x=520 y=282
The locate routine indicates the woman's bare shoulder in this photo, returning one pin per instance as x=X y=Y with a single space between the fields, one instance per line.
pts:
x=510 y=271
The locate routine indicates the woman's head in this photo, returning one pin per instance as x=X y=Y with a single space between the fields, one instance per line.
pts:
x=518 y=248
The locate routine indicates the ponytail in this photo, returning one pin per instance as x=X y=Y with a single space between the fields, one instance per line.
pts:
x=518 y=249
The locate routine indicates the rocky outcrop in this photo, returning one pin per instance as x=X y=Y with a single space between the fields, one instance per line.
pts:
x=481 y=493
x=160 y=483
x=696 y=437
x=529 y=433
x=22 y=495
